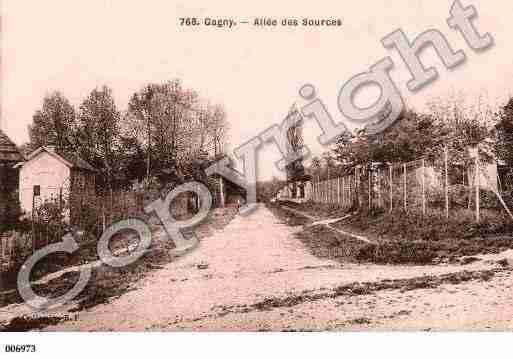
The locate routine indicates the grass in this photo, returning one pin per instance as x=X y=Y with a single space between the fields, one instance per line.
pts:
x=405 y=237
x=107 y=282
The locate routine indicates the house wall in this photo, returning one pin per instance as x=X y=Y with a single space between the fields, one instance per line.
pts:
x=49 y=173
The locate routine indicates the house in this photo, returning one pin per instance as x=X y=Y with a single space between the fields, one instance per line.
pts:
x=48 y=174
x=9 y=156
x=225 y=192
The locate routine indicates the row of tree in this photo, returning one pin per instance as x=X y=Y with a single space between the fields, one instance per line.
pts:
x=164 y=133
x=449 y=123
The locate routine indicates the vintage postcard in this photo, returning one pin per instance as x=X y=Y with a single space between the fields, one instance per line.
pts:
x=268 y=166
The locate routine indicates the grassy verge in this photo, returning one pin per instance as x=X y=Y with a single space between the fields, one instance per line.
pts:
x=108 y=283
x=405 y=237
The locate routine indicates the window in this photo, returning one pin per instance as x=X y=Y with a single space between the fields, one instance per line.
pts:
x=37 y=190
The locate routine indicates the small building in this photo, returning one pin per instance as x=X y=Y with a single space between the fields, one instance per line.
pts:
x=48 y=174
x=9 y=157
x=225 y=192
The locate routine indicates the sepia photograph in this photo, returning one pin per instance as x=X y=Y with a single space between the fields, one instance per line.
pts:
x=171 y=167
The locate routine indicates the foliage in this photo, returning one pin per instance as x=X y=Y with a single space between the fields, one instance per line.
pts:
x=165 y=132
x=173 y=127
x=266 y=190
x=98 y=135
x=53 y=124
x=449 y=122
x=408 y=139
x=295 y=170
x=504 y=134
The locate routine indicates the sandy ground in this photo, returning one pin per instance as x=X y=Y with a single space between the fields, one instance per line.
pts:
x=219 y=287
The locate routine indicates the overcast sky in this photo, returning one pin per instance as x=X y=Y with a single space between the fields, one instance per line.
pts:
x=74 y=46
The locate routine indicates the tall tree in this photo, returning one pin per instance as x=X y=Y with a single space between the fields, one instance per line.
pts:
x=295 y=170
x=213 y=128
x=53 y=124
x=463 y=122
x=162 y=117
x=504 y=134
x=410 y=137
x=98 y=133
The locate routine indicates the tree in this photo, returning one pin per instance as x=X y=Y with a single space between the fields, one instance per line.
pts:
x=218 y=129
x=98 y=134
x=295 y=170
x=504 y=134
x=266 y=190
x=161 y=118
x=412 y=136
x=53 y=124
x=463 y=123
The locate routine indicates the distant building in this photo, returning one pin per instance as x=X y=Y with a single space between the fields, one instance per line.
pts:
x=225 y=192
x=9 y=156
x=48 y=174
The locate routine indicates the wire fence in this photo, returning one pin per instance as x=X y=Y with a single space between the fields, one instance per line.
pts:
x=340 y=190
x=83 y=212
x=442 y=184
x=51 y=218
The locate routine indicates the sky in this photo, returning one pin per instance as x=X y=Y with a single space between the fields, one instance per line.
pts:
x=255 y=73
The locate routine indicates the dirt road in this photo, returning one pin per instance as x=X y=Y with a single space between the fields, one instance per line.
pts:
x=254 y=275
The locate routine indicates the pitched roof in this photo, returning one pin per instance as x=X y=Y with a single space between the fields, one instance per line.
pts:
x=76 y=161
x=8 y=150
x=71 y=160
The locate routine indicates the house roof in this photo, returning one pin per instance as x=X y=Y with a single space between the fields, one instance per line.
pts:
x=8 y=150
x=71 y=160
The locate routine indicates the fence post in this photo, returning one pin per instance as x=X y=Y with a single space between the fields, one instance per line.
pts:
x=355 y=188
x=33 y=222
x=344 y=199
x=390 y=170
x=446 y=184
x=10 y=240
x=338 y=190
x=345 y=191
x=327 y=182
x=404 y=184
x=328 y=191
x=104 y=224
x=333 y=191
x=423 y=187
x=380 y=203
x=477 y=184
x=370 y=199
x=352 y=189
x=318 y=190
